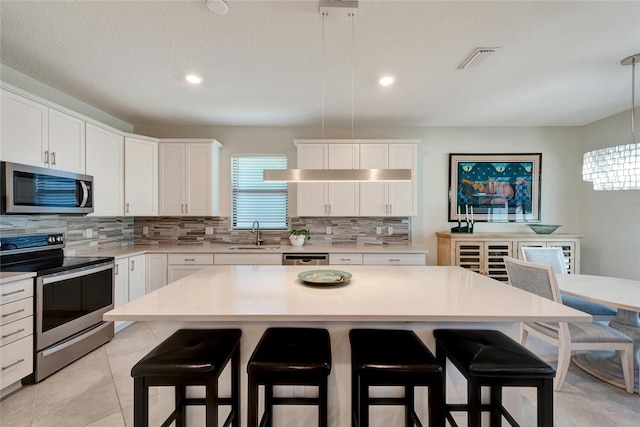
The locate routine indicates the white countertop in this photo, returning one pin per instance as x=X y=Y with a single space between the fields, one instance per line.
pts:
x=6 y=277
x=224 y=249
x=374 y=294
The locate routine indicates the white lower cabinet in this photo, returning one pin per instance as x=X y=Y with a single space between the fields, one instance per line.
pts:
x=129 y=283
x=378 y=259
x=182 y=265
x=16 y=333
x=156 y=271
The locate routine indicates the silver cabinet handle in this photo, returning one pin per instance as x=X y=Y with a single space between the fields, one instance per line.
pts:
x=393 y=260
x=133 y=264
x=13 y=312
x=186 y=208
x=117 y=272
x=14 y=292
x=46 y=157
x=13 y=333
x=189 y=259
x=329 y=209
x=390 y=209
x=53 y=158
x=127 y=208
x=345 y=259
x=13 y=364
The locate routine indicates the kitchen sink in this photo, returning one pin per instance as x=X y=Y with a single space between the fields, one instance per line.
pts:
x=252 y=248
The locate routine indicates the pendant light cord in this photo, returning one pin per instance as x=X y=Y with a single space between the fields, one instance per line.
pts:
x=633 y=99
x=323 y=52
x=353 y=19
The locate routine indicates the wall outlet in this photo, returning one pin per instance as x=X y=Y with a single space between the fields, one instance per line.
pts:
x=145 y=230
x=299 y=391
x=328 y=230
x=89 y=233
x=208 y=230
x=390 y=230
x=378 y=230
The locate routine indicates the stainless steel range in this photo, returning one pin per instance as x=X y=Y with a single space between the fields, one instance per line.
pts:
x=72 y=294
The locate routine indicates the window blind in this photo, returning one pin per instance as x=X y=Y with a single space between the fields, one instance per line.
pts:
x=256 y=200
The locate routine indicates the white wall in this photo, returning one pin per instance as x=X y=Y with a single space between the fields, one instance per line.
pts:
x=611 y=219
x=561 y=165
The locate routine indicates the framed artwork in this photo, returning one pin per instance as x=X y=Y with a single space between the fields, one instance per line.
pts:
x=495 y=187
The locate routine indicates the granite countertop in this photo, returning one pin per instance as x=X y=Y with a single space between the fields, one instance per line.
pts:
x=374 y=294
x=278 y=249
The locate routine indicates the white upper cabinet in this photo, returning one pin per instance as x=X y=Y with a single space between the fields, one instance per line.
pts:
x=105 y=162
x=188 y=178
x=358 y=199
x=34 y=134
x=25 y=130
x=66 y=142
x=140 y=176
x=328 y=199
x=388 y=198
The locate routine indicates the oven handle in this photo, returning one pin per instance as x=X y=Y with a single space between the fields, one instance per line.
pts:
x=78 y=272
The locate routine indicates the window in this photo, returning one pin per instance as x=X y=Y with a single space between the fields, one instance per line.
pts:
x=256 y=200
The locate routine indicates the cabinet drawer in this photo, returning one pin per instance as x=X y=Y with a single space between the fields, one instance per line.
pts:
x=249 y=259
x=16 y=290
x=16 y=310
x=394 y=259
x=16 y=330
x=16 y=360
x=345 y=259
x=189 y=259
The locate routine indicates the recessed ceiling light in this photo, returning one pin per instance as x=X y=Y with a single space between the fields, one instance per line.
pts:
x=386 y=80
x=194 y=79
x=219 y=7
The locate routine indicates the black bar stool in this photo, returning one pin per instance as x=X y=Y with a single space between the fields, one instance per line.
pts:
x=490 y=358
x=190 y=357
x=381 y=357
x=289 y=356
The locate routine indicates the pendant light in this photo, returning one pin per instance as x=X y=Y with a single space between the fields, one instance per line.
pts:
x=616 y=168
x=340 y=9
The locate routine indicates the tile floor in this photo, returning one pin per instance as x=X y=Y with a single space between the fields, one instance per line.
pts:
x=97 y=390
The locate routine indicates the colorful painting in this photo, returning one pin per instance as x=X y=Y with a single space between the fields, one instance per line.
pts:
x=494 y=187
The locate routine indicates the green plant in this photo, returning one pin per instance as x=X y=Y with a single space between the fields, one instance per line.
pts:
x=301 y=232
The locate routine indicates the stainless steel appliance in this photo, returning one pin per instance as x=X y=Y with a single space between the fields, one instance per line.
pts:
x=305 y=259
x=71 y=295
x=30 y=189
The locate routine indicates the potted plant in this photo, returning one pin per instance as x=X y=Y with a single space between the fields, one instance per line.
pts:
x=298 y=237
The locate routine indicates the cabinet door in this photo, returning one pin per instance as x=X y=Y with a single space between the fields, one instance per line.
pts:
x=470 y=255
x=198 y=179
x=66 y=142
x=571 y=261
x=121 y=291
x=343 y=197
x=155 y=271
x=402 y=196
x=312 y=196
x=141 y=177
x=493 y=259
x=23 y=129
x=105 y=162
x=171 y=179
x=373 y=195
x=136 y=277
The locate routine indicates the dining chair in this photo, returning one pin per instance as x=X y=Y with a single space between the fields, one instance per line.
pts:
x=554 y=256
x=540 y=279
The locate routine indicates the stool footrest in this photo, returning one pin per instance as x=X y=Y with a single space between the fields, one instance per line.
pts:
x=295 y=400
x=463 y=407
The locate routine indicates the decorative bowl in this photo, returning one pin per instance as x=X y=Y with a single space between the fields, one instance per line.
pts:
x=543 y=228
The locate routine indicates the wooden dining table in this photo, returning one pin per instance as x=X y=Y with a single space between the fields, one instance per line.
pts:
x=622 y=294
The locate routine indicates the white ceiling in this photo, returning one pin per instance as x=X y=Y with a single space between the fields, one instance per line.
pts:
x=559 y=62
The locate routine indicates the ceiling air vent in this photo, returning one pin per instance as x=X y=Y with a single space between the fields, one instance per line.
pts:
x=476 y=57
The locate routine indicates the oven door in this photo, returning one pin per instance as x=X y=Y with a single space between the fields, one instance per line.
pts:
x=72 y=301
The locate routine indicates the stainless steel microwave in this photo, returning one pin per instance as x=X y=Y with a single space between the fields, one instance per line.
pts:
x=35 y=190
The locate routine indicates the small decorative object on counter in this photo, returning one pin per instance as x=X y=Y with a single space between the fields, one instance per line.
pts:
x=543 y=228
x=468 y=228
x=298 y=237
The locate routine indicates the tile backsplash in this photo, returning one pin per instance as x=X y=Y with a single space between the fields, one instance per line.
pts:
x=85 y=233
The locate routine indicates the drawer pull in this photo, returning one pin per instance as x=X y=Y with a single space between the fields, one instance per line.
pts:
x=13 y=333
x=14 y=292
x=189 y=259
x=394 y=259
x=13 y=312
x=13 y=364
x=345 y=259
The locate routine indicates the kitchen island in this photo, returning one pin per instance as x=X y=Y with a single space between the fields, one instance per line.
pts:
x=417 y=297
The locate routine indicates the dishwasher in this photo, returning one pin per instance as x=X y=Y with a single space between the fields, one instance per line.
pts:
x=305 y=259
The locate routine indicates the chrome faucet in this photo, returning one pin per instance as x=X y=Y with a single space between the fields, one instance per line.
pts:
x=255 y=228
